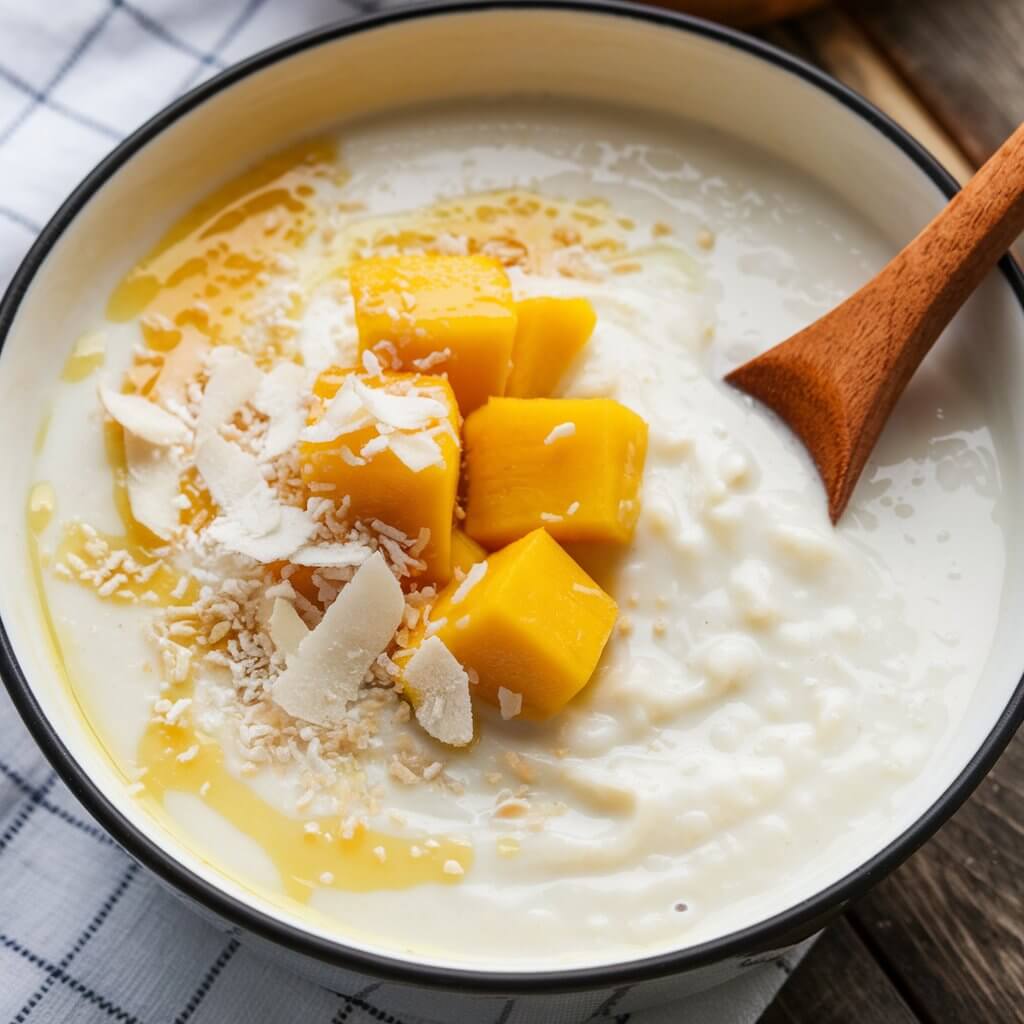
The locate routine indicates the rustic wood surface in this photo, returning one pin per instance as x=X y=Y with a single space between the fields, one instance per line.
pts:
x=840 y=981
x=964 y=58
x=942 y=939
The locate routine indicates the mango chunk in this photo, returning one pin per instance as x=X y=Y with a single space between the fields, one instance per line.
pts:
x=378 y=480
x=573 y=466
x=549 y=335
x=465 y=551
x=531 y=622
x=441 y=314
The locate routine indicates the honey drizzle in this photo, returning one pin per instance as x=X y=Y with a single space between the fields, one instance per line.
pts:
x=193 y=287
x=304 y=860
x=515 y=226
x=42 y=503
x=86 y=357
x=208 y=265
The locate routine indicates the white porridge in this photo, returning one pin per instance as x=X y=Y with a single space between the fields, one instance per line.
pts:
x=771 y=686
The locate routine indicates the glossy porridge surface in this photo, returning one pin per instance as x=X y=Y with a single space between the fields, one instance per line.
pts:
x=773 y=686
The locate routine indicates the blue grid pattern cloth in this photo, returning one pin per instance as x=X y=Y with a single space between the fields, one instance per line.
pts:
x=85 y=934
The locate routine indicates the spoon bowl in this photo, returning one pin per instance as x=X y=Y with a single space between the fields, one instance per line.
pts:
x=835 y=382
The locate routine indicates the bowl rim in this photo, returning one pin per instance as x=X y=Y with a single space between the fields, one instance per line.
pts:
x=776 y=932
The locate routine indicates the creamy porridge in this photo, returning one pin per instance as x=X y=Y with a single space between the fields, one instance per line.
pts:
x=768 y=687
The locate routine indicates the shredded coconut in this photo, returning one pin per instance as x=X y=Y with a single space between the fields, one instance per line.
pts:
x=509 y=703
x=144 y=419
x=560 y=431
x=324 y=674
x=234 y=380
x=472 y=578
x=441 y=684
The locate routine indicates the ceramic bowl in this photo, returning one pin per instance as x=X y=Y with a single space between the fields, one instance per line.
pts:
x=680 y=68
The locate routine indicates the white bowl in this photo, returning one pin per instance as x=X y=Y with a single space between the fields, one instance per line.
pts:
x=599 y=51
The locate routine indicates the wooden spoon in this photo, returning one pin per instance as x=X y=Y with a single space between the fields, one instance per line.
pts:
x=836 y=382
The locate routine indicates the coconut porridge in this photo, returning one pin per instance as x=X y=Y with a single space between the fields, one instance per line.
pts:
x=447 y=584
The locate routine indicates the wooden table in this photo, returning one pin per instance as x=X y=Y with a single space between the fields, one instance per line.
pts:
x=942 y=939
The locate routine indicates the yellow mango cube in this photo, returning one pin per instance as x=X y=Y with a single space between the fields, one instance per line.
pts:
x=465 y=551
x=549 y=335
x=531 y=623
x=571 y=465
x=440 y=314
x=378 y=482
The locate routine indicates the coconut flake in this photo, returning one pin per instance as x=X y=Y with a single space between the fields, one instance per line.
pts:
x=374 y=446
x=350 y=457
x=236 y=484
x=442 y=685
x=252 y=521
x=287 y=629
x=326 y=671
x=152 y=482
x=510 y=703
x=560 y=431
x=281 y=399
x=181 y=365
x=344 y=413
x=143 y=418
x=403 y=412
x=234 y=380
x=476 y=573
x=334 y=556
x=327 y=327
x=292 y=532
x=416 y=451
x=356 y=406
x=371 y=364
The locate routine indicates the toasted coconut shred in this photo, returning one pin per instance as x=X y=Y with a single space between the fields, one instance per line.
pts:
x=296 y=635
x=300 y=676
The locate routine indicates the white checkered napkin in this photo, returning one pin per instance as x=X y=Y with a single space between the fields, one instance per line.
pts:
x=85 y=934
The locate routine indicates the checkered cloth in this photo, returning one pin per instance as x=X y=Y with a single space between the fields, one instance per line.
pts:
x=85 y=934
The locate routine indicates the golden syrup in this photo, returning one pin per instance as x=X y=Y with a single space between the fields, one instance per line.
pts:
x=86 y=357
x=517 y=227
x=303 y=859
x=508 y=846
x=44 y=428
x=194 y=288
x=213 y=261
x=157 y=587
x=42 y=503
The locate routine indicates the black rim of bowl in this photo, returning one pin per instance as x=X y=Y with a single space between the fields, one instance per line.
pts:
x=776 y=931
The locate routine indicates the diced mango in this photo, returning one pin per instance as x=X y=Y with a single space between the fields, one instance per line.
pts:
x=549 y=335
x=573 y=466
x=439 y=314
x=380 y=485
x=465 y=551
x=534 y=623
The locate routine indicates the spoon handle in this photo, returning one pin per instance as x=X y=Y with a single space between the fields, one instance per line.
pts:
x=836 y=381
x=933 y=276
